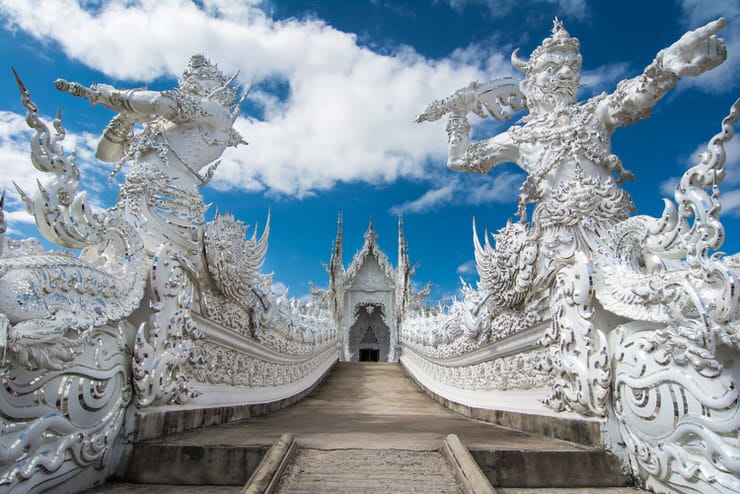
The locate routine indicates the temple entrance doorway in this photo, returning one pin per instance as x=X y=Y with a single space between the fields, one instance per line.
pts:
x=369 y=336
x=369 y=355
x=369 y=347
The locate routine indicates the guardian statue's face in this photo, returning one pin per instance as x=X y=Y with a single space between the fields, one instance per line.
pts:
x=552 y=73
x=199 y=84
x=557 y=73
x=203 y=78
x=553 y=80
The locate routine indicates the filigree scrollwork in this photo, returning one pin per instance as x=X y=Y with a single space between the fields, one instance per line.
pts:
x=678 y=413
x=237 y=369
x=524 y=370
x=165 y=342
x=234 y=261
x=59 y=423
x=577 y=351
x=66 y=380
x=506 y=273
x=45 y=295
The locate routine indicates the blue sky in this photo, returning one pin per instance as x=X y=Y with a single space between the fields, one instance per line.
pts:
x=330 y=117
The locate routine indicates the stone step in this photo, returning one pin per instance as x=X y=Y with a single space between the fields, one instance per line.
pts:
x=131 y=488
x=574 y=468
x=212 y=464
x=570 y=490
x=579 y=467
x=363 y=470
x=371 y=407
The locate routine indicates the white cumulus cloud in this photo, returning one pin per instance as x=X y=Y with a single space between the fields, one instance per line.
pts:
x=467 y=268
x=347 y=112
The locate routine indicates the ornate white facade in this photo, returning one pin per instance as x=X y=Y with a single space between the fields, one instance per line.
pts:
x=370 y=298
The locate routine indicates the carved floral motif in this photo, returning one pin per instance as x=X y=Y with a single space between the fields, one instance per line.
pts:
x=225 y=366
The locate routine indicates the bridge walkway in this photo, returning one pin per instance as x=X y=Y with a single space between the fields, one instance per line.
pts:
x=371 y=416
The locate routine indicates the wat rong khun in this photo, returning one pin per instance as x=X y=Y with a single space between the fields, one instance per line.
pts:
x=606 y=339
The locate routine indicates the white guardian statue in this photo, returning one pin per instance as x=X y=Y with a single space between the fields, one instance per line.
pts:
x=158 y=309
x=641 y=317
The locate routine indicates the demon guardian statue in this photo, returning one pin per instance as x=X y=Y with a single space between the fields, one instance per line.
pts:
x=185 y=130
x=122 y=327
x=641 y=321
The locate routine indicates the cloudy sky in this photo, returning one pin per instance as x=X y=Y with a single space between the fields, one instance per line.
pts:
x=330 y=116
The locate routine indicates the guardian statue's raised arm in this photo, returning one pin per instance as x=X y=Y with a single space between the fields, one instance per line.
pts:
x=193 y=120
x=558 y=133
x=693 y=54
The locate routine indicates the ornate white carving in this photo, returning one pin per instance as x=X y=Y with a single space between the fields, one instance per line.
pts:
x=525 y=370
x=185 y=130
x=226 y=366
x=66 y=383
x=371 y=277
x=506 y=273
x=371 y=283
x=676 y=398
x=234 y=261
x=667 y=376
x=59 y=423
x=165 y=342
x=677 y=407
x=66 y=335
x=577 y=350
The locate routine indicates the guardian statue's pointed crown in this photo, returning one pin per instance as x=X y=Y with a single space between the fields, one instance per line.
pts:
x=560 y=40
x=209 y=78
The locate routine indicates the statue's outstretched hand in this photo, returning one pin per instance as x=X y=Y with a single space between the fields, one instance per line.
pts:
x=484 y=99
x=696 y=51
x=77 y=89
x=96 y=93
x=460 y=103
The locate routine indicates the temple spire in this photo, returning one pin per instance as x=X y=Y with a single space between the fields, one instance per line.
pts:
x=338 y=241
x=402 y=246
x=370 y=235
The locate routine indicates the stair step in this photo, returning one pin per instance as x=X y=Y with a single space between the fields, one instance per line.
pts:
x=164 y=463
x=570 y=490
x=131 y=488
x=361 y=470
x=575 y=468
x=373 y=406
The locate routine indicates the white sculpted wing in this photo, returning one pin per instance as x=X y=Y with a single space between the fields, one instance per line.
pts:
x=507 y=271
x=646 y=266
x=234 y=261
x=626 y=280
x=47 y=294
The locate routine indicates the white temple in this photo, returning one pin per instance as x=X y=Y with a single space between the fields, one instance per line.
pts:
x=370 y=298
x=617 y=332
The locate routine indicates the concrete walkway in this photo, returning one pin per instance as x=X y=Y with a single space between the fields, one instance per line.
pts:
x=370 y=406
